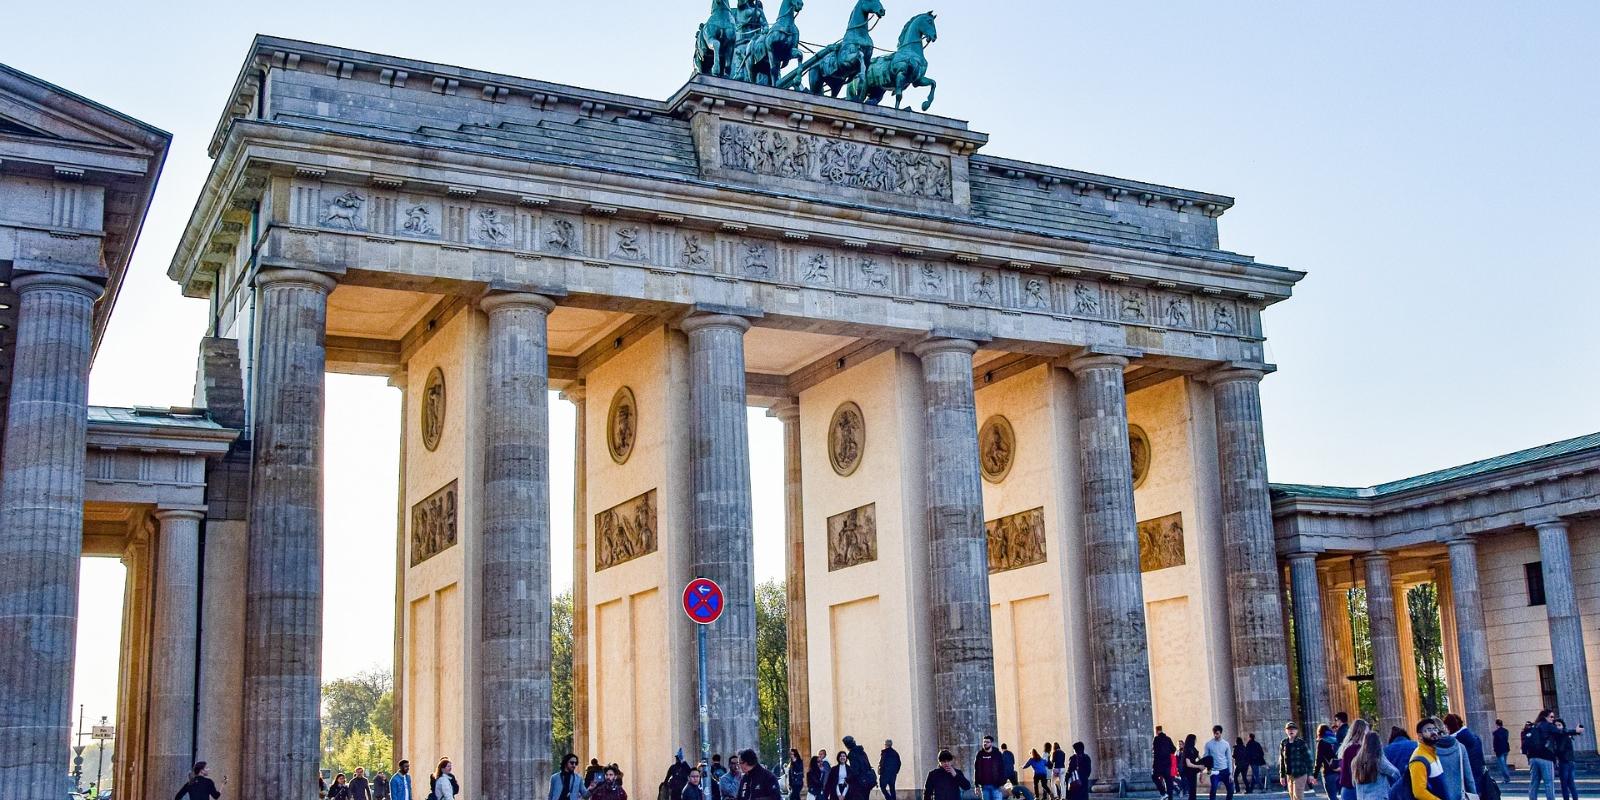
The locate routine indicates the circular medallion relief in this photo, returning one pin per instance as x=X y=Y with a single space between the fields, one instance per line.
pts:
x=1139 y=450
x=622 y=425
x=433 y=407
x=997 y=448
x=847 y=438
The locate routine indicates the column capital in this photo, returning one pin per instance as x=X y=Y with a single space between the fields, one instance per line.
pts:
x=699 y=321
x=575 y=393
x=1545 y=522
x=496 y=302
x=398 y=379
x=1084 y=362
x=1376 y=556
x=787 y=410
x=165 y=514
x=1304 y=555
x=41 y=281
x=275 y=276
x=934 y=346
x=1237 y=371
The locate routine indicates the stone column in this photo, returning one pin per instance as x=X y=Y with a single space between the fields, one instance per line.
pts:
x=283 y=585
x=958 y=551
x=1444 y=590
x=1310 y=651
x=1340 y=642
x=1566 y=631
x=41 y=528
x=578 y=395
x=1388 y=679
x=788 y=412
x=1114 y=586
x=1406 y=638
x=1472 y=635
x=514 y=550
x=1255 y=595
x=173 y=648
x=720 y=518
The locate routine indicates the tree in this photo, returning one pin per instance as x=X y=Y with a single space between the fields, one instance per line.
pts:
x=1427 y=643
x=1361 y=637
x=772 y=668
x=358 y=721
x=561 y=719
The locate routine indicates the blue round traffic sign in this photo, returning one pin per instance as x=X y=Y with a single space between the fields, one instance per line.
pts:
x=702 y=601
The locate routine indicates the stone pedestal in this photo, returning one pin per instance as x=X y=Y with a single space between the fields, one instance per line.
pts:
x=1472 y=636
x=1114 y=586
x=958 y=554
x=283 y=585
x=173 y=647
x=1310 y=650
x=1566 y=632
x=1388 y=677
x=514 y=550
x=720 y=520
x=41 y=528
x=1255 y=597
x=788 y=412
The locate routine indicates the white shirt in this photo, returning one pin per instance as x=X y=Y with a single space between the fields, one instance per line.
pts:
x=443 y=788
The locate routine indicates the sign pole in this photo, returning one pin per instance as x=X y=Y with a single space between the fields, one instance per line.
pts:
x=705 y=703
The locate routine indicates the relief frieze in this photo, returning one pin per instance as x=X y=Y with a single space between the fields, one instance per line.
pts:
x=434 y=524
x=835 y=162
x=625 y=532
x=1161 y=543
x=853 y=537
x=1016 y=541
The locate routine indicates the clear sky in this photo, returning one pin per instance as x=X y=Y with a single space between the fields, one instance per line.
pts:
x=1432 y=165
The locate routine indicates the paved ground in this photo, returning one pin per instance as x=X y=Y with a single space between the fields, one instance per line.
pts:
x=1588 y=787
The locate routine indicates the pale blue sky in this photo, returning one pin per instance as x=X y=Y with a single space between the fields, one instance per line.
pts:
x=1431 y=164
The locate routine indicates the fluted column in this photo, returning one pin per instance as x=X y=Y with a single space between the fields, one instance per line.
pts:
x=1388 y=679
x=1310 y=650
x=720 y=518
x=1472 y=635
x=41 y=528
x=514 y=549
x=1114 y=586
x=1566 y=631
x=1405 y=637
x=958 y=552
x=1255 y=595
x=173 y=648
x=578 y=395
x=795 y=535
x=283 y=584
x=1339 y=639
x=1448 y=634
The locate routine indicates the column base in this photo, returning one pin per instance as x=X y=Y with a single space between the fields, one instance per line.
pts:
x=1124 y=788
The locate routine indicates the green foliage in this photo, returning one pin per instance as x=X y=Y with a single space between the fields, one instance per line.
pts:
x=772 y=668
x=561 y=719
x=357 y=722
x=371 y=749
x=1361 y=635
x=1427 y=640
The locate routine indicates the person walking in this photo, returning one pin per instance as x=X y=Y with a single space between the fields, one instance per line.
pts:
x=1080 y=773
x=1010 y=760
x=1565 y=769
x=1423 y=771
x=199 y=786
x=1349 y=748
x=568 y=784
x=1455 y=764
x=1540 y=744
x=861 y=778
x=1189 y=768
x=797 y=775
x=340 y=790
x=380 y=785
x=728 y=785
x=1220 y=755
x=1370 y=773
x=1399 y=749
x=360 y=787
x=400 y=783
x=1255 y=763
x=817 y=776
x=692 y=789
x=1327 y=765
x=1058 y=770
x=1041 y=774
x=609 y=787
x=945 y=782
x=989 y=770
x=443 y=780
x=839 y=777
x=1473 y=745
x=1240 y=769
x=888 y=769
x=1161 y=752
x=1502 y=750
x=756 y=782
x=1294 y=762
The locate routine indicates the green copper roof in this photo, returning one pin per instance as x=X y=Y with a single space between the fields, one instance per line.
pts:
x=1474 y=469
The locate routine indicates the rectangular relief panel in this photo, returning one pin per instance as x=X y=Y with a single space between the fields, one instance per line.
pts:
x=1016 y=541
x=625 y=531
x=434 y=524
x=1161 y=543
x=853 y=537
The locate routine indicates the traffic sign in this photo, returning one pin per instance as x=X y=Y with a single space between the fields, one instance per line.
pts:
x=702 y=601
x=103 y=732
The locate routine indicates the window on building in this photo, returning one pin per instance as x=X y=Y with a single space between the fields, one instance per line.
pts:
x=1547 y=686
x=1534 y=573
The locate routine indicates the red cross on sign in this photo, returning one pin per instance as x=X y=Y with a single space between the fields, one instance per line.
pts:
x=702 y=601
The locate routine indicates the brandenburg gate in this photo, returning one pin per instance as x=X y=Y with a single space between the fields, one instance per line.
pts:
x=1022 y=427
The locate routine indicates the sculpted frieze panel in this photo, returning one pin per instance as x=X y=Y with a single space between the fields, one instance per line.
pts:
x=562 y=236
x=625 y=532
x=853 y=537
x=434 y=524
x=491 y=226
x=1161 y=543
x=346 y=210
x=835 y=162
x=1016 y=541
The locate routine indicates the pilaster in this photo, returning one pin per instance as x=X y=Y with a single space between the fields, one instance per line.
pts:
x=578 y=395
x=788 y=412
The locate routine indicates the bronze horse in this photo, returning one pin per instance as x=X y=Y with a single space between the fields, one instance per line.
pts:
x=714 y=42
x=834 y=66
x=906 y=67
x=763 y=58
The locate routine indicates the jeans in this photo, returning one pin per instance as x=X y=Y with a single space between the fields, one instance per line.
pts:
x=1041 y=785
x=1540 y=770
x=1164 y=784
x=887 y=787
x=1224 y=777
x=1257 y=780
x=1188 y=787
x=1505 y=769
x=1057 y=784
x=1569 y=781
x=994 y=793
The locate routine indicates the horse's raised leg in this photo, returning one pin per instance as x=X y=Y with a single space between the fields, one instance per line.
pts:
x=933 y=86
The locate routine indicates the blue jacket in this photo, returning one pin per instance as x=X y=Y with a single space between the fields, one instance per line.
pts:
x=577 y=792
x=1502 y=741
x=400 y=787
x=1474 y=747
x=1399 y=754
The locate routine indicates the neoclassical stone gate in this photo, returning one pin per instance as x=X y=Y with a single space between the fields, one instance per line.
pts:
x=884 y=288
